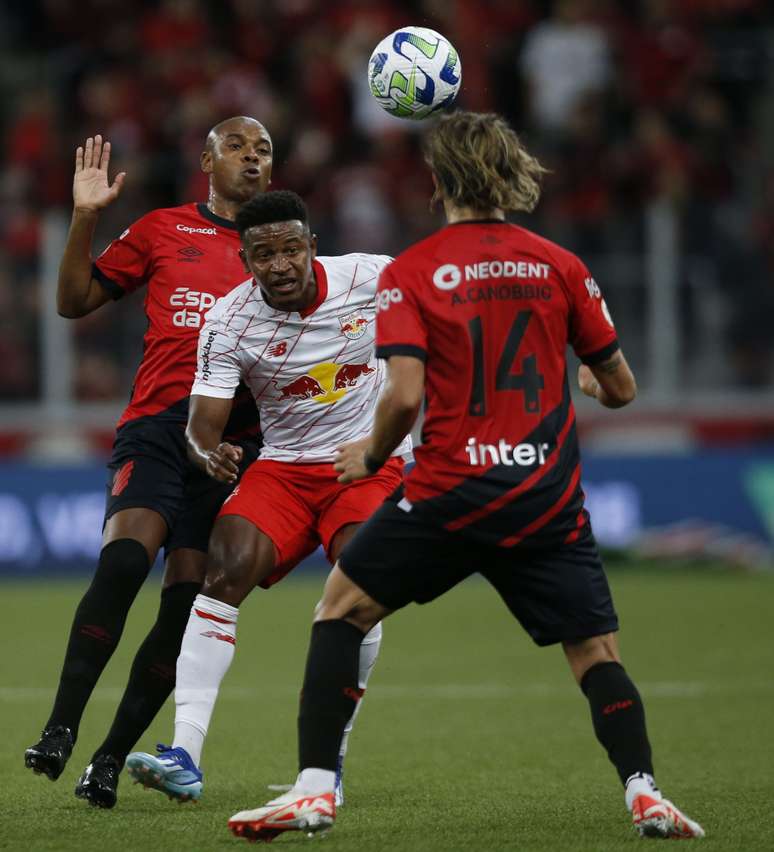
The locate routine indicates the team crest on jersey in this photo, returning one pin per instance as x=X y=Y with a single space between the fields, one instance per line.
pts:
x=353 y=325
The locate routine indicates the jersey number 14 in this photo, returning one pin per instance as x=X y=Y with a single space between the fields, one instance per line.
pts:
x=529 y=381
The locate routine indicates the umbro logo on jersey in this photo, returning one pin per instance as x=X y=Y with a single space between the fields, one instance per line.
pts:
x=189 y=254
x=211 y=232
x=277 y=350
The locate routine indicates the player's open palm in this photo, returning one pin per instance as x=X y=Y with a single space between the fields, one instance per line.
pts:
x=92 y=189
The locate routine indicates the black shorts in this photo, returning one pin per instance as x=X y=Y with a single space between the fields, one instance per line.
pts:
x=149 y=469
x=558 y=594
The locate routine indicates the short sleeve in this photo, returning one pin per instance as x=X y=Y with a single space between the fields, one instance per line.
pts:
x=592 y=333
x=218 y=370
x=125 y=265
x=400 y=329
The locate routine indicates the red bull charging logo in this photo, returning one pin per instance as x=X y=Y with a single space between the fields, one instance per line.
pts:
x=325 y=383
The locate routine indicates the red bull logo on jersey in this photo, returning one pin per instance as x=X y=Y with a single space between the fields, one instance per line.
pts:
x=353 y=325
x=325 y=383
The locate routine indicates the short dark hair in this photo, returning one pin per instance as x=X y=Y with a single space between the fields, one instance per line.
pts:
x=278 y=206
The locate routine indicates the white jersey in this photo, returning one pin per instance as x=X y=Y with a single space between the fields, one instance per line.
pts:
x=314 y=376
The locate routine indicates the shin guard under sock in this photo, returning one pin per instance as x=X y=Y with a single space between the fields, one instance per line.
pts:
x=97 y=627
x=152 y=678
x=619 y=718
x=330 y=692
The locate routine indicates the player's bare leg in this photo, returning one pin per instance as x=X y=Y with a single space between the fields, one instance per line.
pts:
x=618 y=716
x=328 y=700
x=151 y=679
x=130 y=542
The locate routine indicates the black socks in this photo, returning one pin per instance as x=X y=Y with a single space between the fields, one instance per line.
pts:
x=152 y=677
x=97 y=627
x=330 y=692
x=619 y=718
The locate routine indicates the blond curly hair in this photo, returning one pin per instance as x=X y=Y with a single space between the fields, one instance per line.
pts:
x=479 y=162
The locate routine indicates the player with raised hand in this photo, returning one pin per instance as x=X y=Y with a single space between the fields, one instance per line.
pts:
x=187 y=257
x=300 y=333
x=476 y=320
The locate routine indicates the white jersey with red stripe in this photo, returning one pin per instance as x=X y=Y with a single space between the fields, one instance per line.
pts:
x=314 y=375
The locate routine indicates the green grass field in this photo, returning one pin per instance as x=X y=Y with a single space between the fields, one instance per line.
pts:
x=470 y=738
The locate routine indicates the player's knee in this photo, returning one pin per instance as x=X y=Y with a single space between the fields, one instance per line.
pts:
x=583 y=654
x=122 y=569
x=364 y=613
x=230 y=569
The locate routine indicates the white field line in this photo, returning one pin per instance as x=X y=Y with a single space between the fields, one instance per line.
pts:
x=440 y=691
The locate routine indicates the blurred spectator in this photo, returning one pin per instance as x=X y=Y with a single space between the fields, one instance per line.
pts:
x=565 y=58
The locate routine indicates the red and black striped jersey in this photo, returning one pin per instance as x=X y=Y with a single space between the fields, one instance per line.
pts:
x=187 y=258
x=491 y=307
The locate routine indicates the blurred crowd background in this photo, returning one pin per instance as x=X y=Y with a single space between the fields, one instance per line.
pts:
x=633 y=105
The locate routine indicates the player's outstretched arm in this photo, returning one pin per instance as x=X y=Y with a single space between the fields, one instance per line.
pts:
x=78 y=293
x=396 y=412
x=207 y=418
x=610 y=382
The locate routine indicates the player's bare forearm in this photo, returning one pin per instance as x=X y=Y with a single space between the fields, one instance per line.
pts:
x=207 y=417
x=77 y=292
x=610 y=382
x=393 y=420
x=396 y=413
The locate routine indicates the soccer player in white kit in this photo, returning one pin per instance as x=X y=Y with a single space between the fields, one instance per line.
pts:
x=300 y=333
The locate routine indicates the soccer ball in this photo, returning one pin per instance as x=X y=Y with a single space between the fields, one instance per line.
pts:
x=413 y=72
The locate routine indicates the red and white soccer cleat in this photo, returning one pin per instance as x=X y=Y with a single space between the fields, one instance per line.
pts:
x=289 y=812
x=660 y=818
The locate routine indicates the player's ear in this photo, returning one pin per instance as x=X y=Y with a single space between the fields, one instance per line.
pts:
x=313 y=245
x=205 y=162
x=243 y=258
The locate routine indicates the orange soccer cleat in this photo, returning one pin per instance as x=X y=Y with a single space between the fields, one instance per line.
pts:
x=293 y=811
x=660 y=818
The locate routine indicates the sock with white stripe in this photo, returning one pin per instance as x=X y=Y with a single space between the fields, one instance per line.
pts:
x=369 y=651
x=205 y=656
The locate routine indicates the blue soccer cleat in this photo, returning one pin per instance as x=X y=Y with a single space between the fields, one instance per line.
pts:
x=172 y=772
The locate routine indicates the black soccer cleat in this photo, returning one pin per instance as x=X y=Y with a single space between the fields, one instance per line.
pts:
x=99 y=782
x=49 y=756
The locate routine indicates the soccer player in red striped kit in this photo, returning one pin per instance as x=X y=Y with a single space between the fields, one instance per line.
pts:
x=476 y=320
x=186 y=257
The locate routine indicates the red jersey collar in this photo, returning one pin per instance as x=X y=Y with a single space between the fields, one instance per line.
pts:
x=321 y=278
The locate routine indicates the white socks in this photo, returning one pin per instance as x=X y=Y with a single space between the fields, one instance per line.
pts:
x=205 y=656
x=641 y=784
x=369 y=651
